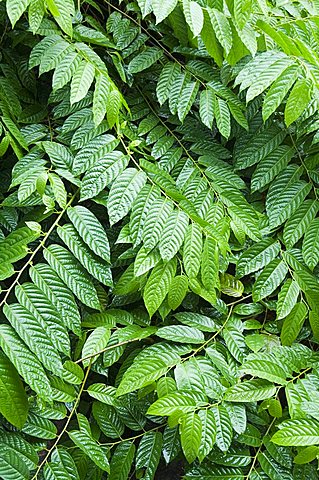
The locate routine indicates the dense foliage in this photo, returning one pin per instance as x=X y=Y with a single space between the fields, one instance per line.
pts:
x=159 y=239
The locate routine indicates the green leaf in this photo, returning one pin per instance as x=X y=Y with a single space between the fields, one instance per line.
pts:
x=86 y=443
x=34 y=334
x=207 y=107
x=287 y=298
x=230 y=285
x=196 y=320
x=113 y=107
x=91 y=230
x=121 y=461
x=298 y=100
x=58 y=188
x=72 y=373
x=149 y=453
x=93 y=153
x=166 y=80
x=13 y=399
x=158 y=285
x=12 y=467
x=224 y=430
x=96 y=342
x=273 y=469
x=100 y=98
x=192 y=250
x=222 y=116
x=145 y=59
x=74 y=276
x=172 y=235
x=221 y=28
x=187 y=97
x=250 y=391
x=94 y=265
x=103 y=393
x=270 y=166
x=306 y=455
x=108 y=420
x=257 y=256
x=102 y=173
x=191 y=433
x=15 y=9
x=25 y=362
x=177 y=291
x=297 y=433
x=162 y=8
x=265 y=369
x=143 y=372
x=310 y=246
x=181 y=333
x=123 y=192
x=293 y=323
x=279 y=90
x=81 y=81
x=194 y=16
x=267 y=77
x=58 y=293
x=299 y=222
x=270 y=278
x=210 y=264
x=208 y=435
x=178 y=401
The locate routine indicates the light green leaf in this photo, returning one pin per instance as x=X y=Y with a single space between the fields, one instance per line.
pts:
x=224 y=429
x=149 y=453
x=177 y=291
x=181 y=333
x=172 y=235
x=270 y=278
x=81 y=81
x=91 y=230
x=287 y=298
x=257 y=256
x=144 y=372
x=298 y=100
x=123 y=192
x=96 y=342
x=15 y=8
x=86 y=443
x=121 y=461
x=194 y=16
x=297 y=433
x=250 y=391
x=310 y=245
x=221 y=28
x=145 y=59
x=208 y=435
x=25 y=362
x=162 y=8
x=74 y=276
x=158 y=285
x=191 y=434
x=13 y=399
x=299 y=222
x=192 y=250
x=293 y=324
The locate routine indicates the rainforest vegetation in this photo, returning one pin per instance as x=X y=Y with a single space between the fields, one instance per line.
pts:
x=159 y=239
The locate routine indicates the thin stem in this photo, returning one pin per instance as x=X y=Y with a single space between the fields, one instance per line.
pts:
x=38 y=248
x=106 y=349
x=76 y=403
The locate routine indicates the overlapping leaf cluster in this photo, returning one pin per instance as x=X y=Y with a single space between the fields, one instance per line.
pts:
x=159 y=239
